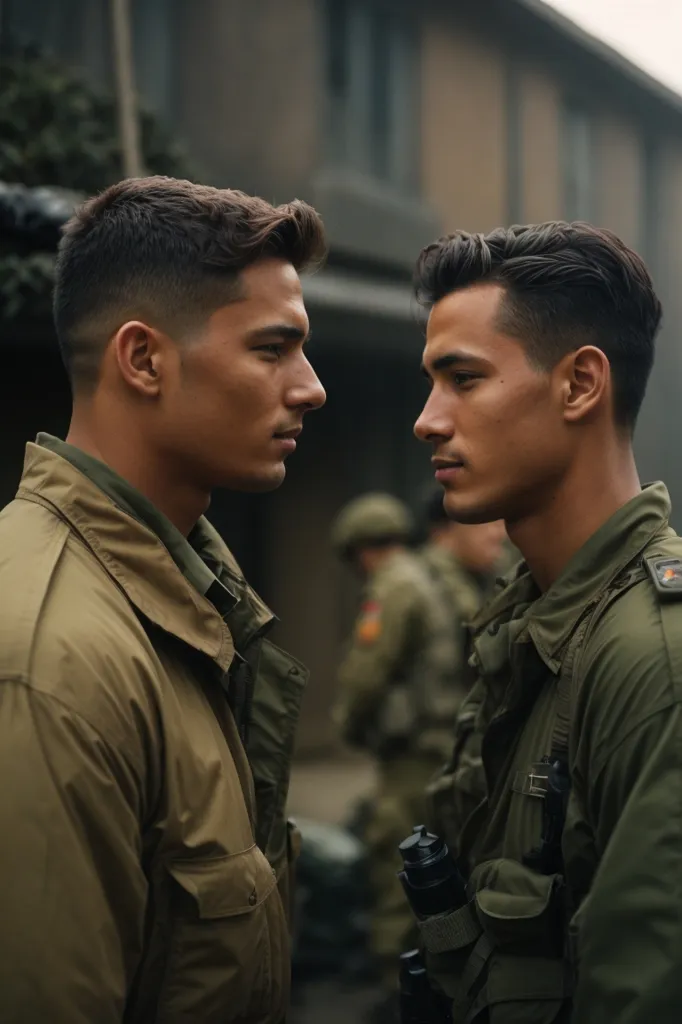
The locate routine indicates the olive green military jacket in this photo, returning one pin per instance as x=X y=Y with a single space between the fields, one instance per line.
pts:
x=597 y=935
x=145 y=741
x=396 y=683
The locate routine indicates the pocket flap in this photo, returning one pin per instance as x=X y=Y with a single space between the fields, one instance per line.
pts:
x=517 y=906
x=226 y=886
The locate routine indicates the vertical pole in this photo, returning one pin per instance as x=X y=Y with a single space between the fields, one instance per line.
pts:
x=128 y=121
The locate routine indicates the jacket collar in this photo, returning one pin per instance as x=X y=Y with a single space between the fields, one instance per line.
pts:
x=549 y=619
x=134 y=556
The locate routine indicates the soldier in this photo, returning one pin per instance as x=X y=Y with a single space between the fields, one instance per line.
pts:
x=562 y=804
x=462 y=558
x=397 y=697
x=146 y=723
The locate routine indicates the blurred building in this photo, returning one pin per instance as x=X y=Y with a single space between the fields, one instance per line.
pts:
x=399 y=121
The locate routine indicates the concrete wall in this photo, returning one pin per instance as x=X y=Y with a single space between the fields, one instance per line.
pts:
x=248 y=107
x=620 y=199
x=539 y=145
x=464 y=161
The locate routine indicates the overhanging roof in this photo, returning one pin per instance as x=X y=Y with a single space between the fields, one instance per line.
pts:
x=595 y=46
x=342 y=290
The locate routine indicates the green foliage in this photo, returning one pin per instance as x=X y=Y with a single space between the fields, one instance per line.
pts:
x=56 y=130
x=26 y=286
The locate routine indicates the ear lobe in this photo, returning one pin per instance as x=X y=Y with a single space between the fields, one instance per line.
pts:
x=587 y=382
x=138 y=355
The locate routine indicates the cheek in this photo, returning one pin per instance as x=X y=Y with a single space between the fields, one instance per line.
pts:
x=240 y=391
x=515 y=425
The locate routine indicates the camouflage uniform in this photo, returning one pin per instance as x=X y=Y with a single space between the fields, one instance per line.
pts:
x=397 y=701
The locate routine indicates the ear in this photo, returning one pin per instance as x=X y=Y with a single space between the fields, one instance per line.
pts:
x=586 y=383
x=138 y=351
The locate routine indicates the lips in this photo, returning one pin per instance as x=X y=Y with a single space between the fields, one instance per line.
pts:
x=447 y=469
x=288 y=435
x=287 y=439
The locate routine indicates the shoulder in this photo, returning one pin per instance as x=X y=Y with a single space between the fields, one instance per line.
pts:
x=406 y=567
x=67 y=632
x=631 y=666
x=404 y=579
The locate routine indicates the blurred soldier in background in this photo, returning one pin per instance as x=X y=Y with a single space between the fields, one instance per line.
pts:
x=462 y=558
x=398 y=699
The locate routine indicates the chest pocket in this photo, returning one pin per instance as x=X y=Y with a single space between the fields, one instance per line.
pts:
x=499 y=959
x=228 y=946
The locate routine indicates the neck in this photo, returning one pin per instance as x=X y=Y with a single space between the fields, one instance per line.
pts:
x=585 y=499
x=122 y=449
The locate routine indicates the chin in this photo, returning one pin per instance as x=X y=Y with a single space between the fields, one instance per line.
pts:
x=470 y=512
x=259 y=482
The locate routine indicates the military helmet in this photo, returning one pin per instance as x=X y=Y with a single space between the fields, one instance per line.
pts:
x=370 y=519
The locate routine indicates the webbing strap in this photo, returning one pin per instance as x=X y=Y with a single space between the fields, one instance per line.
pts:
x=475 y=966
x=670 y=621
x=449 y=932
x=565 y=695
x=520 y=979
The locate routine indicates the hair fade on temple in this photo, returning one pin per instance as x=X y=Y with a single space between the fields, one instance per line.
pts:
x=167 y=250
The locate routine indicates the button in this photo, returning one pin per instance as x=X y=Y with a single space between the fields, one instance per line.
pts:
x=253 y=898
x=494 y=629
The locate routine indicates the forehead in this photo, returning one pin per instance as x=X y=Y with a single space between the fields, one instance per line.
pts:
x=270 y=293
x=467 y=321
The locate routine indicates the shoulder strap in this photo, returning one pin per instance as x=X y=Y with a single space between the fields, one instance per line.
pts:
x=567 y=685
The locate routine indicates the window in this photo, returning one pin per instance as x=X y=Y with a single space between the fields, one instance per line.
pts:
x=578 y=160
x=153 y=28
x=371 y=90
x=51 y=27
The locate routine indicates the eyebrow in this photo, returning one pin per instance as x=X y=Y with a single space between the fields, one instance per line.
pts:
x=286 y=331
x=451 y=359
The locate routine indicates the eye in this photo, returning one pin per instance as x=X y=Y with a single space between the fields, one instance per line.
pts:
x=462 y=379
x=275 y=349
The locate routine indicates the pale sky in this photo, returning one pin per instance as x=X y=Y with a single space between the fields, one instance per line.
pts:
x=647 y=32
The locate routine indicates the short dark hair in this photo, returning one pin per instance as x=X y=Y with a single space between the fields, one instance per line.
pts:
x=566 y=285
x=166 y=249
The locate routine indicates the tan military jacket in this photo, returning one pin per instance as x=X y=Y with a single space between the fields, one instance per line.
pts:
x=145 y=742
x=397 y=680
x=598 y=937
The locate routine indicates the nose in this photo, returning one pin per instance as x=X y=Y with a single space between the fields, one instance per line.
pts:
x=433 y=423
x=306 y=392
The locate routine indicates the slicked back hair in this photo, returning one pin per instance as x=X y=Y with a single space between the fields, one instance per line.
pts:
x=168 y=252
x=566 y=285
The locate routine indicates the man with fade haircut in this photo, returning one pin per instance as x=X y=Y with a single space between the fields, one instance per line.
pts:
x=146 y=723
x=539 y=344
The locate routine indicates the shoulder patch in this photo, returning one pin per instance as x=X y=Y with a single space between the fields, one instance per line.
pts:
x=666 y=575
x=368 y=629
